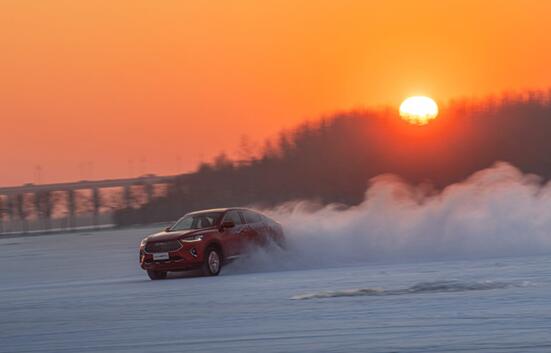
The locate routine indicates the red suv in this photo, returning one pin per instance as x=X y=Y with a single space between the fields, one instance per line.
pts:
x=206 y=240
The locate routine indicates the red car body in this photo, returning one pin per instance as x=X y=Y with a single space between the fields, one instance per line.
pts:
x=206 y=240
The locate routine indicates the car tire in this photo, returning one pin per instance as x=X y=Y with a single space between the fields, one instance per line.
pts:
x=280 y=241
x=156 y=275
x=212 y=263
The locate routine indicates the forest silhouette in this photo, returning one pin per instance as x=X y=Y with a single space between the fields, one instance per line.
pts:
x=332 y=160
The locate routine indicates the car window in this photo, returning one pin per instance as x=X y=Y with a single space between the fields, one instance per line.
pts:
x=233 y=216
x=197 y=221
x=252 y=217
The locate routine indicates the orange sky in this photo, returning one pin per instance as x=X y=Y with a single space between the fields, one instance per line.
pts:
x=88 y=86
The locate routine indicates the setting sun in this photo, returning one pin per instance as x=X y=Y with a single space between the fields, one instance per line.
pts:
x=418 y=110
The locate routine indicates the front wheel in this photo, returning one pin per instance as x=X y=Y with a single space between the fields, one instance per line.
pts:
x=155 y=275
x=212 y=263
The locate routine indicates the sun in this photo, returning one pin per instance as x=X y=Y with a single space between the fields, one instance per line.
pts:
x=418 y=110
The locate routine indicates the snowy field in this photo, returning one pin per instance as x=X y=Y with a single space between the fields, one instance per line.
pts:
x=85 y=293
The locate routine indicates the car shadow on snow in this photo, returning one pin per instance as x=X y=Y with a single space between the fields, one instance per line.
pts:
x=184 y=274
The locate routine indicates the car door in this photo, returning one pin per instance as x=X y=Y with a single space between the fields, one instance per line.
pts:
x=232 y=239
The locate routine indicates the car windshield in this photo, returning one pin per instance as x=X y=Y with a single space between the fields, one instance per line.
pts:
x=197 y=221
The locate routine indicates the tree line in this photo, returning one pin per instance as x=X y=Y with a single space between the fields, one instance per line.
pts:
x=333 y=159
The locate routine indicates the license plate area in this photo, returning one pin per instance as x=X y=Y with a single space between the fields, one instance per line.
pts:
x=161 y=256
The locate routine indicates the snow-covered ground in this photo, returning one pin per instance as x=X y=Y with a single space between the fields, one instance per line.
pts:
x=84 y=292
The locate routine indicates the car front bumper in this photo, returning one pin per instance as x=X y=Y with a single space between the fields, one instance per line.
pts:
x=188 y=257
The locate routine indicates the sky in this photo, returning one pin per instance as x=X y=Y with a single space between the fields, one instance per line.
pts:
x=96 y=89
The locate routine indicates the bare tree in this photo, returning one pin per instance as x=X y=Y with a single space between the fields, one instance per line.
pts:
x=248 y=149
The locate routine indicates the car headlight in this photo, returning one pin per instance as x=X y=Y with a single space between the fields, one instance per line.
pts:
x=192 y=238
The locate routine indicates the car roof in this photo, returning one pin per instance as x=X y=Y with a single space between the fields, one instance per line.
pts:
x=222 y=210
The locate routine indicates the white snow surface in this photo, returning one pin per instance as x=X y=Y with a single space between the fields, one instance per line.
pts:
x=84 y=292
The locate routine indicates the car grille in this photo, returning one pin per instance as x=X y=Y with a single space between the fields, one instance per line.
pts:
x=163 y=246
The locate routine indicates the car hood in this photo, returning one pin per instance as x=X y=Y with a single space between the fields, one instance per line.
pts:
x=163 y=236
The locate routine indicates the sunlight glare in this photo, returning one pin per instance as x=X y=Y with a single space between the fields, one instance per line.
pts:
x=418 y=110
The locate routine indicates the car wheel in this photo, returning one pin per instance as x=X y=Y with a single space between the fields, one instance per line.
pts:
x=280 y=241
x=212 y=263
x=155 y=275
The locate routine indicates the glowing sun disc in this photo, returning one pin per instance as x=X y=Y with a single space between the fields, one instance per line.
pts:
x=418 y=110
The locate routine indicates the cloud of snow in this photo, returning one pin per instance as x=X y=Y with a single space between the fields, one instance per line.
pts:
x=496 y=212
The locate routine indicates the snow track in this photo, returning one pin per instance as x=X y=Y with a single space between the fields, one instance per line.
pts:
x=85 y=293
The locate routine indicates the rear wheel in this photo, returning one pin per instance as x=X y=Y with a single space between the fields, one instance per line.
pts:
x=155 y=275
x=212 y=264
x=280 y=241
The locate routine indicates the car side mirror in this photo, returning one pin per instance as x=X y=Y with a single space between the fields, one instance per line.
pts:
x=167 y=229
x=227 y=224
